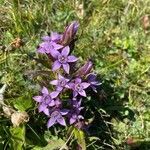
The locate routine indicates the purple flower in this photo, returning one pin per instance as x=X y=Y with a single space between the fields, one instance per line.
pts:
x=69 y=33
x=79 y=87
x=57 y=117
x=75 y=117
x=85 y=69
x=93 y=82
x=48 y=47
x=45 y=100
x=63 y=59
x=61 y=83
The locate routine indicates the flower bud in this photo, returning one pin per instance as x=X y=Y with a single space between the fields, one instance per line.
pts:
x=69 y=33
x=85 y=69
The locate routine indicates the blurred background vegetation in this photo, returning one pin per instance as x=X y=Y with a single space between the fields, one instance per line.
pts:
x=115 y=34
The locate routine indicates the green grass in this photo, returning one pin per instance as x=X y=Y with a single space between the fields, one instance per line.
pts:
x=111 y=34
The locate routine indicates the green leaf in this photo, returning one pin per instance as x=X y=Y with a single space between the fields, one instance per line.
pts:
x=80 y=136
x=23 y=103
x=53 y=145
x=17 y=138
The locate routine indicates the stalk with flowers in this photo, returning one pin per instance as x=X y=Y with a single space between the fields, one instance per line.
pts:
x=69 y=80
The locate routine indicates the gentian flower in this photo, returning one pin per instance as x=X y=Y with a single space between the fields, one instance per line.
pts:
x=63 y=59
x=91 y=78
x=50 y=43
x=45 y=100
x=57 y=117
x=48 y=47
x=79 y=87
x=69 y=33
x=61 y=83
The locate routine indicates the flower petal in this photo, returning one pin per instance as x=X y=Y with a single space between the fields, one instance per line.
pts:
x=65 y=51
x=46 y=111
x=85 y=85
x=54 y=94
x=54 y=53
x=72 y=120
x=57 y=46
x=78 y=80
x=59 y=88
x=51 y=122
x=54 y=82
x=56 y=65
x=38 y=98
x=72 y=58
x=52 y=103
x=82 y=93
x=42 y=107
x=64 y=111
x=75 y=93
x=45 y=90
x=61 y=121
x=66 y=68
x=46 y=38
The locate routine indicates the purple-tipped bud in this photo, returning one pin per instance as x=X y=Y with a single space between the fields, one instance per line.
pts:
x=69 y=33
x=85 y=69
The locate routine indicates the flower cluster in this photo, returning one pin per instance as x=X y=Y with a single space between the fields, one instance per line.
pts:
x=57 y=48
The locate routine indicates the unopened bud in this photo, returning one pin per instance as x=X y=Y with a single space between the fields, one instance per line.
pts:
x=69 y=33
x=85 y=69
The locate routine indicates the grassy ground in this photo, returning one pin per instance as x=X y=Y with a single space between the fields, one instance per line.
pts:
x=113 y=33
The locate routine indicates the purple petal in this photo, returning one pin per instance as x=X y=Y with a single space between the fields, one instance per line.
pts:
x=72 y=120
x=75 y=93
x=61 y=121
x=55 y=36
x=45 y=90
x=82 y=93
x=42 y=107
x=41 y=50
x=72 y=58
x=64 y=111
x=66 y=68
x=54 y=94
x=78 y=80
x=56 y=65
x=46 y=38
x=51 y=122
x=65 y=51
x=52 y=103
x=71 y=85
x=60 y=76
x=46 y=111
x=59 y=88
x=57 y=46
x=85 y=85
x=38 y=98
x=54 y=82
x=54 y=53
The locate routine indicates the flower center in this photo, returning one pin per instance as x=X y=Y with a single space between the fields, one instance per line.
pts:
x=62 y=82
x=55 y=115
x=62 y=59
x=78 y=87
x=47 y=99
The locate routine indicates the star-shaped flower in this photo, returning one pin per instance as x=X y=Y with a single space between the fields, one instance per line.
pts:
x=63 y=59
x=79 y=87
x=57 y=117
x=45 y=100
x=60 y=83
